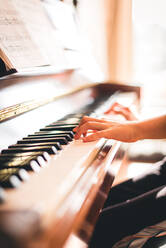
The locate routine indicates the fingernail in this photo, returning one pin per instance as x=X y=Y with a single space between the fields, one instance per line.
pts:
x=76 y=137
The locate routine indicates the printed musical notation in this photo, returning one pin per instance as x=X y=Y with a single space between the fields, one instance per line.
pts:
x=29 y=37
x=36 y=21
x=17 y=43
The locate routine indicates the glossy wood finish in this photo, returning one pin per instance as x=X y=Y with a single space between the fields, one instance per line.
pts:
x=58 y=197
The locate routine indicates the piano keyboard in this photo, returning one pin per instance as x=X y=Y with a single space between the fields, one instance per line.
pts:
x=52 y=186
x=33 y=152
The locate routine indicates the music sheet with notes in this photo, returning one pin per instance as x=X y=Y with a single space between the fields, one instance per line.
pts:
x=15 y=40
x=40 y=28
x=27 y=37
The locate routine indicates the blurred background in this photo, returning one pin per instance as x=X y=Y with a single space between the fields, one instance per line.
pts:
x=128 y=41
x=149 y=51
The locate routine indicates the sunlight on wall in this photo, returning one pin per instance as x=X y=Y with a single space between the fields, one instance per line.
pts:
x=149 y=25
x=149 y=49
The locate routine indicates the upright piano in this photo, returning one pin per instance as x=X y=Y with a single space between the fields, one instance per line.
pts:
x=51 y=186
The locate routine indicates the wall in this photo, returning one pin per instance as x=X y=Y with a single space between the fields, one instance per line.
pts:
x=107 y=24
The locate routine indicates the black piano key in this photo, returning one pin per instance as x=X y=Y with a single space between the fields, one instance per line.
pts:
x=14 y=161
x=13 y=158
x=65 y=125
x=49 y=149
x=62 y=141
x=22 y=156
x=9 y=178
x=26 y=166
x=59 y=128
x=30 y=163
x=70 y=133
x=67 y=137
x=56 y=145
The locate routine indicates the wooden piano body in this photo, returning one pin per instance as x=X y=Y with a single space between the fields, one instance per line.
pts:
x=63 y=196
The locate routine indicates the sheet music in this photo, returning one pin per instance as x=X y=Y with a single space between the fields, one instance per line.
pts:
x=15 y=40
x=66 y=27
x=39 y=27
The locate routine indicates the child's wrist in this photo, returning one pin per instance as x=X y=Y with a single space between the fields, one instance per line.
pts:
x=138 y=130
